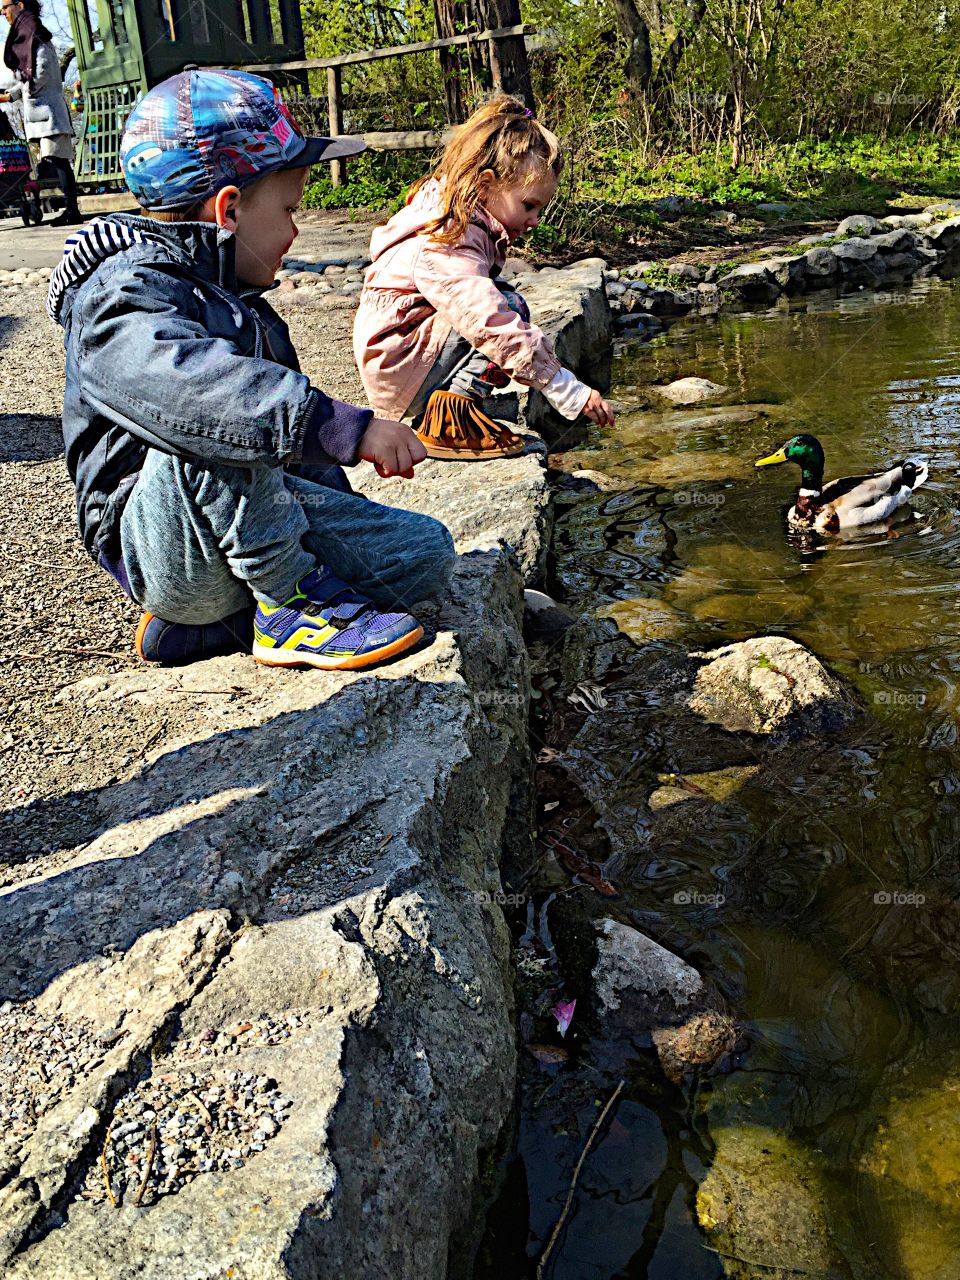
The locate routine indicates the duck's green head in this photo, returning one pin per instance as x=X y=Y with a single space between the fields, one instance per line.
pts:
x=806 y=451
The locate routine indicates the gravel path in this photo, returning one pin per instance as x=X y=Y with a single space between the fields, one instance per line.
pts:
x=61 y=618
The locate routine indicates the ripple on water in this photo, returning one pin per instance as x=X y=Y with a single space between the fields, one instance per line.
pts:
x=842 y=990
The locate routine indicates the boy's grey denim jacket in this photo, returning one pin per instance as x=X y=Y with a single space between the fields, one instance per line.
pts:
x=163 y=352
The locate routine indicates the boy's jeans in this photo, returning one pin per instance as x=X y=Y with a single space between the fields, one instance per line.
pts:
x=197 y=540
x=462 y=369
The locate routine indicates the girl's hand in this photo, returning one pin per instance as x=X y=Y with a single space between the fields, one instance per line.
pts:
x=392 y=447
x=598 y=411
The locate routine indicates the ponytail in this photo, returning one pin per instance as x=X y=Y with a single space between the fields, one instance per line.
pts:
x=502 y=136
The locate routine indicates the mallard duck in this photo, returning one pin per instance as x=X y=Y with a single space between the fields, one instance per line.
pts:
x=846 y=503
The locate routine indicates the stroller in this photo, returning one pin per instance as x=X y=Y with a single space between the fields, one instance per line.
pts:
x=17 y=187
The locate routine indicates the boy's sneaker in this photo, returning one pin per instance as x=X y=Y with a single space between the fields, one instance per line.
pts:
x=175 y=642
x=327 y=624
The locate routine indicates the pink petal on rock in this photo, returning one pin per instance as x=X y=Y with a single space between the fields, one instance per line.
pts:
x=563 y=1012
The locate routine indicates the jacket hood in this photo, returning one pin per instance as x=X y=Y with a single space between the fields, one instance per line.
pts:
x=423 y=209
x=208 y=250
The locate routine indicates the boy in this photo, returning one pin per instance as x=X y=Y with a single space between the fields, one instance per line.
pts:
x=206 y=466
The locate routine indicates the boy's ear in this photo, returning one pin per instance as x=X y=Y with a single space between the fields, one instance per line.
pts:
x=225 y=205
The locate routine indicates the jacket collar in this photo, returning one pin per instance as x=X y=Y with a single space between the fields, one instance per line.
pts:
x=208 y=250
x=204 y=250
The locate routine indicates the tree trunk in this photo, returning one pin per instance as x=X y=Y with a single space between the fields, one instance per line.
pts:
x=639 y=65
x=508 y=57
x=452 y=18
x=670 y=62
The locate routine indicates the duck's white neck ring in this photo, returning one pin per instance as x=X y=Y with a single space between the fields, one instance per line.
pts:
x=809 y=493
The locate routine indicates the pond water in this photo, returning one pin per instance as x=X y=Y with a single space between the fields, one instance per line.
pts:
x=822 y=895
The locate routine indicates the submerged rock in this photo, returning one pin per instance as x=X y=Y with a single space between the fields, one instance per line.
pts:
x=698 y=1042
x=770 y=685
x=690 y=390
x=716 y=785
x=912 y=1170
x=645 y=619
x=761 y=1207
x=601 y=481
x=693 y=465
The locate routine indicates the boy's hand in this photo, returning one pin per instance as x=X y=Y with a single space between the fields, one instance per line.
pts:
x=392 y=447
x=598 y=411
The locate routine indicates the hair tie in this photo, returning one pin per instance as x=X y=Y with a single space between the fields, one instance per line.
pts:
x=527 y=113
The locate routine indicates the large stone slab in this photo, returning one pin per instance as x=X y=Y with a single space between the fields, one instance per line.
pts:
x=570 y=305
x=506 y=500
x=332 y=855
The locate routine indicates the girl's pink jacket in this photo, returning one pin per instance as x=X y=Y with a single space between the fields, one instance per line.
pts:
x=417 y=291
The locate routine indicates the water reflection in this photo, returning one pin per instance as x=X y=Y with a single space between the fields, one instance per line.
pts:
x=838 y=939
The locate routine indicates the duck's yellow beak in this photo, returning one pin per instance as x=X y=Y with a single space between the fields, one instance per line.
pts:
x=779 y=456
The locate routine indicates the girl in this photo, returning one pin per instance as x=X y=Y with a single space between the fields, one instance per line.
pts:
x=436 y=330
x=30 y=55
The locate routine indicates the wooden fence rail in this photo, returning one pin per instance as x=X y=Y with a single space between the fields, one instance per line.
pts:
x=389 y=140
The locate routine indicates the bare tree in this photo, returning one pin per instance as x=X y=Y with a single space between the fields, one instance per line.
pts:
x=644 y=83
x=746 y=30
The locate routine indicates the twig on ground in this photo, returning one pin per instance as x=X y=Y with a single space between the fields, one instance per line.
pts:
x=154 y=737
x=192 y=1097
x=541 y=1266
x=106 y=1172
x=148 y=1167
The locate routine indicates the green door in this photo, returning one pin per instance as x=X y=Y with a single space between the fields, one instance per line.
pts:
x=110 y=61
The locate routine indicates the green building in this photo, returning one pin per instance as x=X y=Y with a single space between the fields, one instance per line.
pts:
x=125 y=47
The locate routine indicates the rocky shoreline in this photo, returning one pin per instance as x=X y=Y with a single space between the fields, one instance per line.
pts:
x=293 y=896
x=861 y=253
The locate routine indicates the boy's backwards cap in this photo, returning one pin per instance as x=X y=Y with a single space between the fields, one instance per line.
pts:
x=203 y=130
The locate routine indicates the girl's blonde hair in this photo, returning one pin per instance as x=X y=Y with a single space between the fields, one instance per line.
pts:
x=502 y=136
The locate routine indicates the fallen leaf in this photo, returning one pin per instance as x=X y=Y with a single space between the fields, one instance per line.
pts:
x=549 y=1055
x=588 y=697
x=588 y=871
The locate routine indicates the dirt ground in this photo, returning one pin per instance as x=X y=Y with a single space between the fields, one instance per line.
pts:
x=63 y=619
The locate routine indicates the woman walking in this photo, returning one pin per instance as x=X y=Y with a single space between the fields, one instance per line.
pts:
x=30 y=55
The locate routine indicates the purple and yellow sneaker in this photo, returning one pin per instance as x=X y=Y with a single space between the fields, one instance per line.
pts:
x=327 y=624
x=171 y=643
